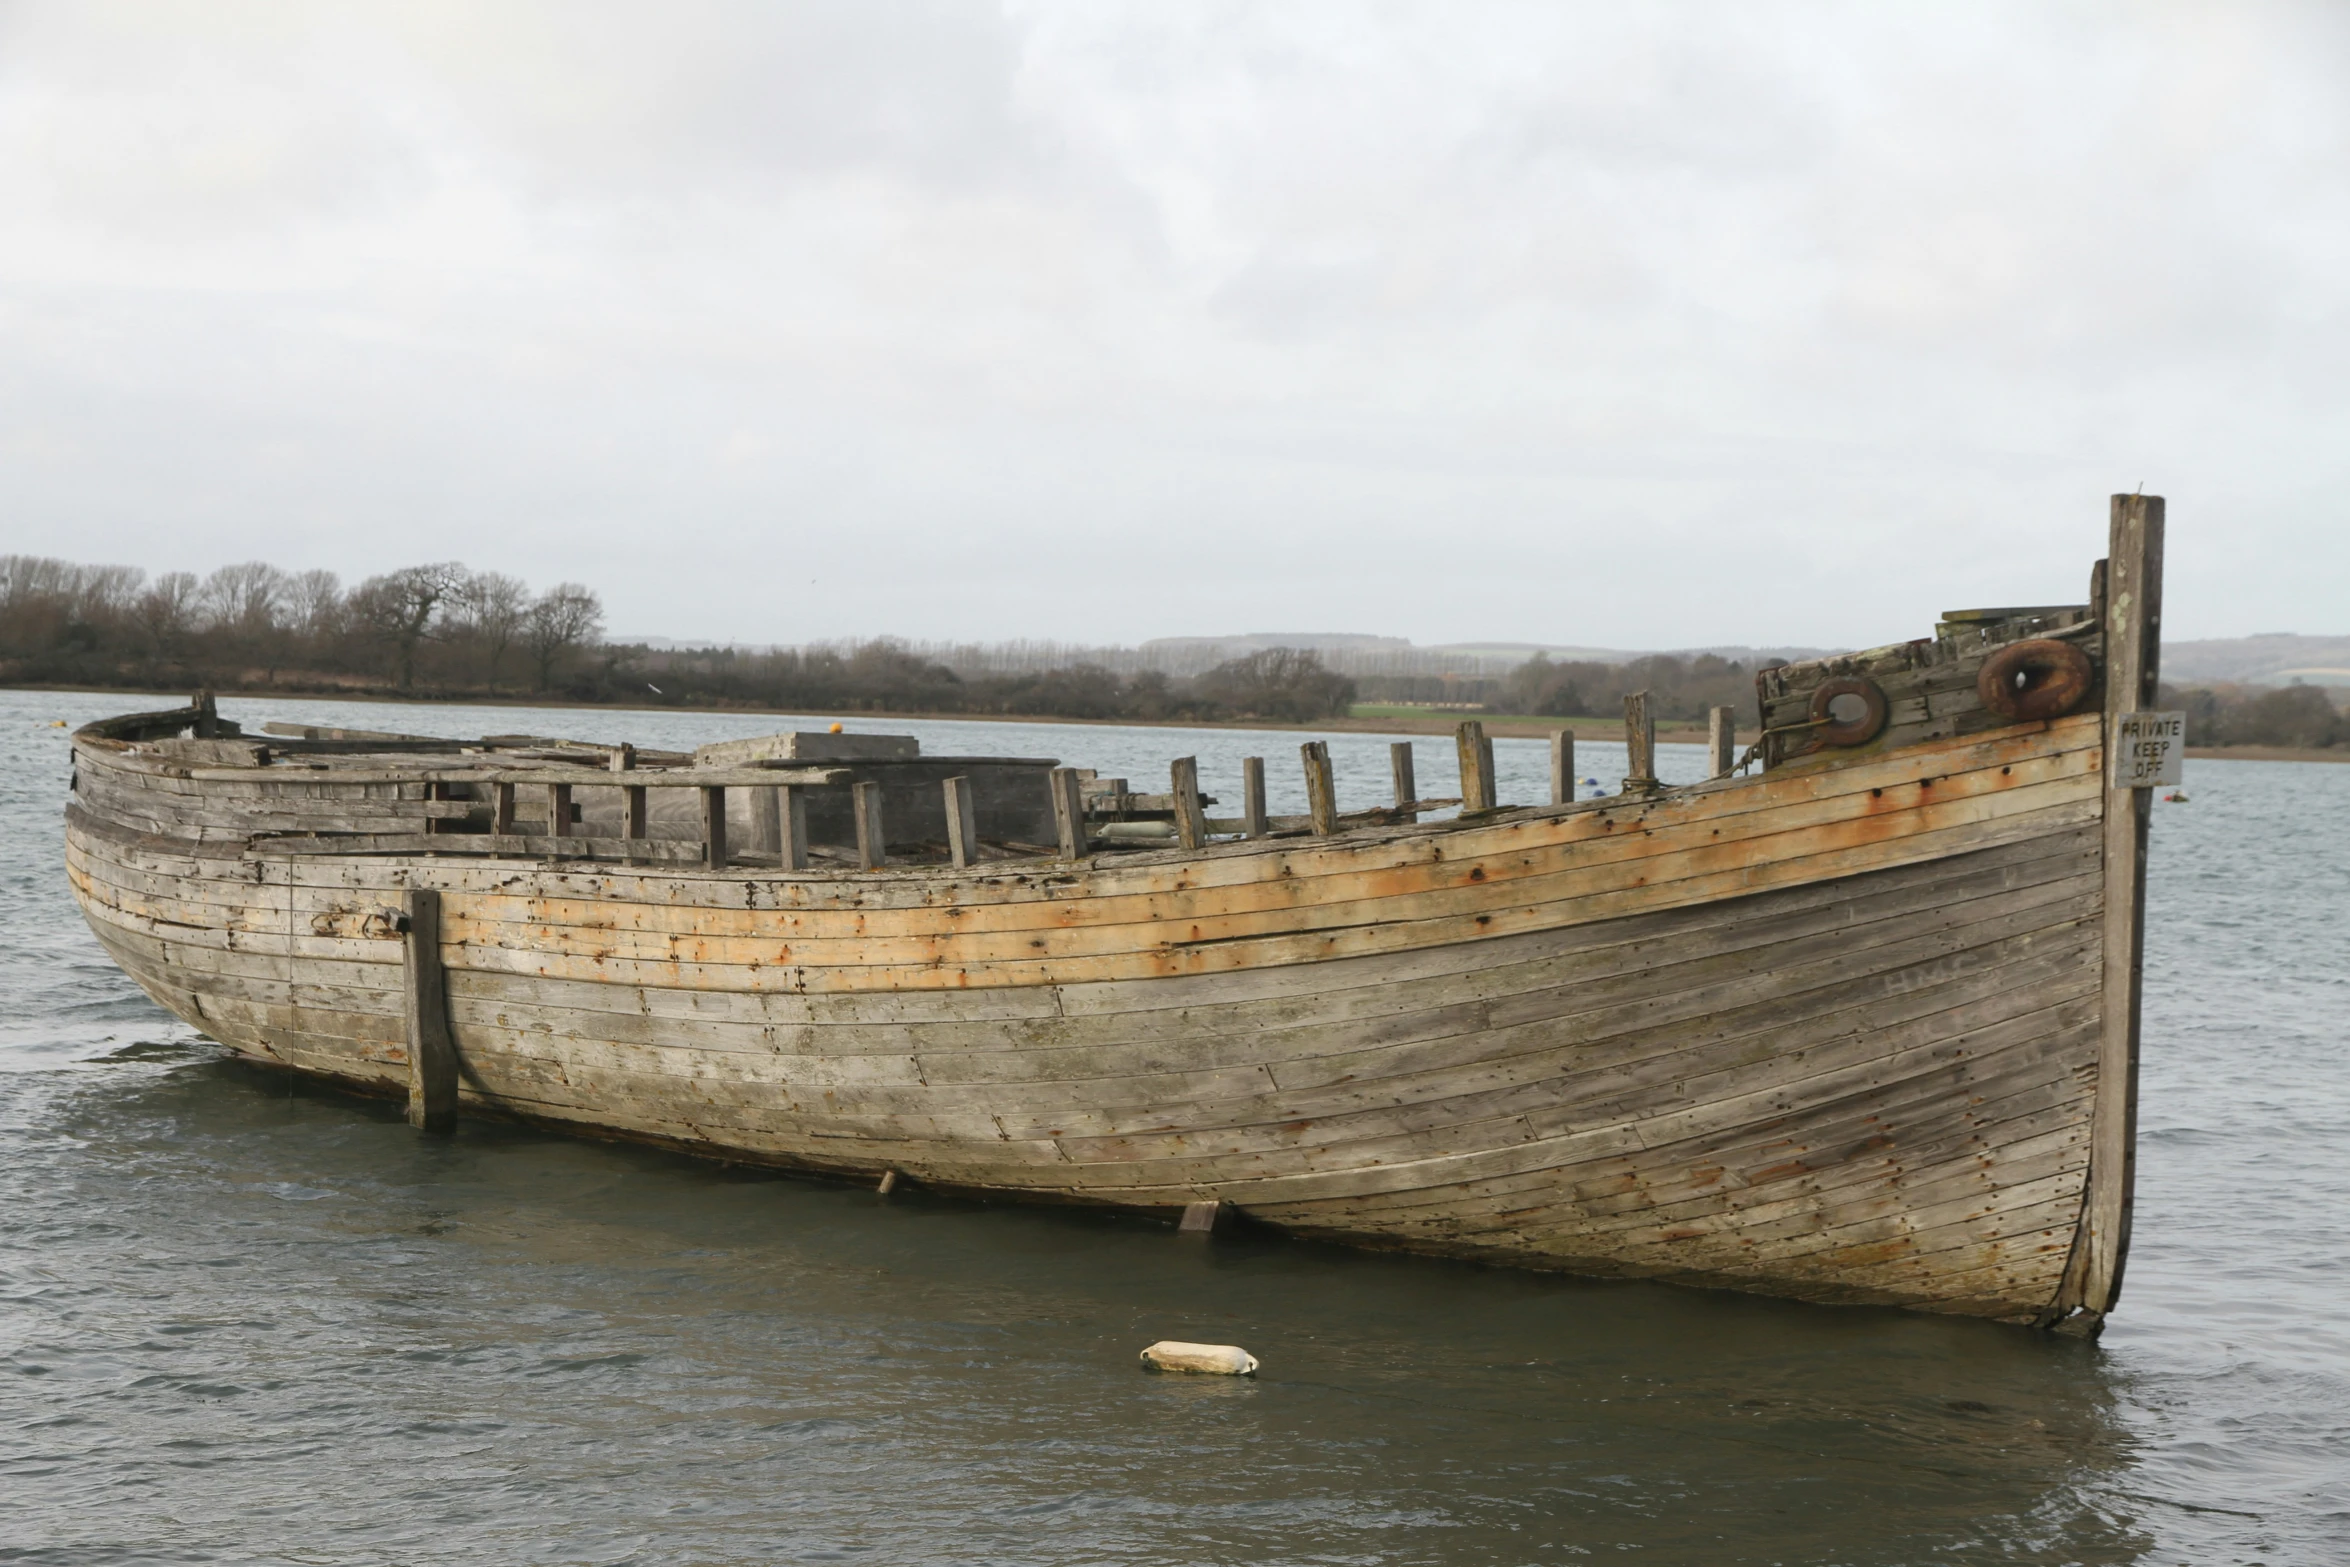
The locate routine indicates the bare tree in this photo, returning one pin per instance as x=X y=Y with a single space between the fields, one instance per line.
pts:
x=492 y=608
x=315 y=603
x=247 y=599
x=402 y=607
x=167 y=610
x=565 y=616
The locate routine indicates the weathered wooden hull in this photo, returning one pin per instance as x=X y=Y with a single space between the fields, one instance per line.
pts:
x=1833 y=1034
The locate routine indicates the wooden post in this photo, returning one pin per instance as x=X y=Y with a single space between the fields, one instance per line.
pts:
x=2133 y=643
x=766 y=821
x=872 y=848
x=1722 y=735
x=713 y=825
x=1476 y=761
x=1639 y=744
x=632 y=796
x=1191 y=823
x=502 y=809
x=207 y=724
x=791 y=827
x=962 y=823
x=1321 y=789
x=1252 y=796
x=1407 y=786
x=1069 y=812
x=432 y=1052
x=558 y=810
x=1562 y=766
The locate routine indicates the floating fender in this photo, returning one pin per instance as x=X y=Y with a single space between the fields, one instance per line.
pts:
x=1224 y=1360
x=2036 y=678
x=1858 y=730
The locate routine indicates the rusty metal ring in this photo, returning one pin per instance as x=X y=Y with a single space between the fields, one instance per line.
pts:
x=2037 y=678
x=1830 y=729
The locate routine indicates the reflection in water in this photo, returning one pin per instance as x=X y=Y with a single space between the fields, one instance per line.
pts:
x=250 y=1318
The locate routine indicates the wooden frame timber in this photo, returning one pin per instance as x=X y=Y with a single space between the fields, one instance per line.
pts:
x=1851 y=1023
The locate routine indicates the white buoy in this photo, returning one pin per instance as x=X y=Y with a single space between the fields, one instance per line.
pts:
x=1223 y=1360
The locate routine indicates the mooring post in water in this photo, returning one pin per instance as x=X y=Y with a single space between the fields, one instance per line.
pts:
x=962 y=823
x=2133 y=632
x=1476 y=762
x=1722 y=736
x=1407 y=786
x=207 y=724
x=1562 y=766
x=1069 y=811
x=1321 y=789
x=1639 y=744
x=1199 y=1218
x=432 y=1053
x=1191 y=822
x=1252 y=796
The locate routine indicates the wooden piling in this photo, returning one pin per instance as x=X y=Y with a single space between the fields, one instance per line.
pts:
x=632 y=796
x=1722 y=740
x=1562 y=766
x=714 y=852
x=1191 y=822
x=791 y=822
x=1639 y=744
x=502 y=809
x=207 y=724
x=1069 y=812
x=872 y=847
x=558 y=810
x=1407 y=786
x=1476 y=763
x=1321 y=788
x=962 y=823
x=1199 y=1218
x=2133 y=630
x=1252 y=796
x=432 y=1051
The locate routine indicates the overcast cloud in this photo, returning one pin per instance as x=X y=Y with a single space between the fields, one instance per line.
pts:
x=1637 y=326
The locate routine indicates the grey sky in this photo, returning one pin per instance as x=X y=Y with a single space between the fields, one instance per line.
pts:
x=1622 y=325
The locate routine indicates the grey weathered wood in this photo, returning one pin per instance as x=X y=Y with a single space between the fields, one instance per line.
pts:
x=962 y=824
x=2133 y=643
x=791 y=822
x=1562 y=766
x=1475 y=753
x=1407 y=787
x=621 y=758
x=501 y=808
x=1639 y=744
x=1252 y=796
x=1199 y=1218
x=432 y=1052
x=559 y=810
x=872 y=844
x=889 y=1178
x=1722 y=741
x=1069 y=812
x=632 y=812
x=1321 y=787
x=1191 y=828
x=714 y=847
x=766 y=821
x=207 y=723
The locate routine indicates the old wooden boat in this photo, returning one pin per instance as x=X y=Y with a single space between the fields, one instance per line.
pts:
x=1855 y=1020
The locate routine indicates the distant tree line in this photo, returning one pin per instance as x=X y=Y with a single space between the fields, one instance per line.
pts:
x=2300 y=717
x=445 y=631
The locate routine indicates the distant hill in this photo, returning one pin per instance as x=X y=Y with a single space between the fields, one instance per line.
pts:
x=2276 y=659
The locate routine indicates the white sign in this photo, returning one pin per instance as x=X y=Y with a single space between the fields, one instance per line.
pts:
x=2149 y=749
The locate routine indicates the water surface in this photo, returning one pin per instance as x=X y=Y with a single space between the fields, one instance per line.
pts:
x=246 y=1320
